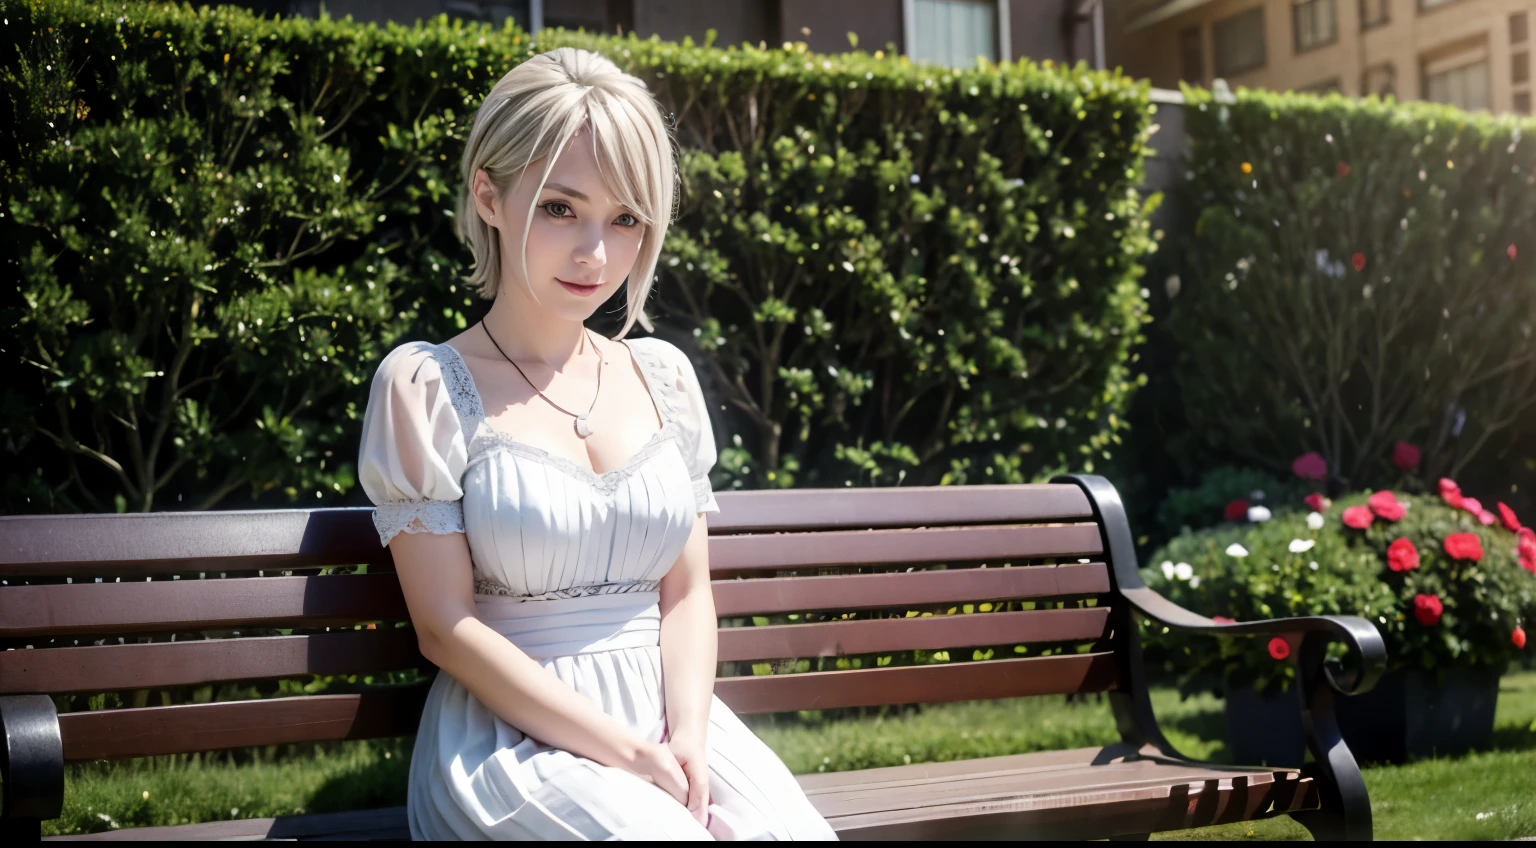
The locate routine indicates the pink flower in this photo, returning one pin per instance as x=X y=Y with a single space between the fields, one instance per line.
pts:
x=1310 y=466
x=1279 y=648
x=1511 y=522
x=1465 y=546
x=1386 y=505
x=1318 y=502
x=1512 y=253
x=1472 y=505
x=1402 y=555
x=1405 y=456
x=1427 y=609
x=1450 y=493
x=1487 y=518
x=1358 y=517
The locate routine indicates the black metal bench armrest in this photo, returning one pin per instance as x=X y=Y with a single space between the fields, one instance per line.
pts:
x=31 y=764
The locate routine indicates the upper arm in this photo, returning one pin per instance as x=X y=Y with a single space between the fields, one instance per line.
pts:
x=691 y=570
x=437 y=581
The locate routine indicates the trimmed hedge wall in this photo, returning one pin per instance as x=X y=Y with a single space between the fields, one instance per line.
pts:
x=889 y=273
x=1359 y=273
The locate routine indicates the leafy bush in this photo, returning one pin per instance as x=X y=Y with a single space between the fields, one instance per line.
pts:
x=221 y=223
x=1311 y=563
x=1204 y=504
x=1359 y=272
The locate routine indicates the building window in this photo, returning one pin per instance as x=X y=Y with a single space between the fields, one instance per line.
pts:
x=1523 y=102
x=1316 y=23
x=1375 y=13
x=1426 y=5
x=1518 y=28
x=1520 y=68
x=956 y=32
x=1380 y=80
x=1459 y=78
x=1191 y=55
x=1240 y=43
x=528 y=14
x=1322 y=87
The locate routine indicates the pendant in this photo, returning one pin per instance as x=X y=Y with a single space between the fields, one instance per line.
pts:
x=583 y=429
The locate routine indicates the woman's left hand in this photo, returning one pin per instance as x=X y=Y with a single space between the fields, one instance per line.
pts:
x=690 y=750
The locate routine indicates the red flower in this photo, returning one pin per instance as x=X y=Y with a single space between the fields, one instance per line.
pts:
x=1464 y=546
x=1402 y=555
x=1221 y=619
x=1527 y=549
x=1427 y=609
x=1405 y=456
x=1237 y=510
x=1512 y=253
x=1279 y=648
x=1450 y=493
x=1318 y=502
x=1310 y=466
x=1386 y=505
x=1358 y=517
x=1517 y=638
x=1510 y=521
x=1358 y=260
x=1343 y=170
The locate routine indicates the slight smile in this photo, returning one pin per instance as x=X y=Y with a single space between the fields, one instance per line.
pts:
x=580 y=289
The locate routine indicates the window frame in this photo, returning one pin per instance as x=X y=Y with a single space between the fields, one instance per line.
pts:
x=1297 y=47
x=1477 y=46
x=1002 y=37
x=1367 y=23
x=1198 y=31
x=1263 y=60
x=1365 y=78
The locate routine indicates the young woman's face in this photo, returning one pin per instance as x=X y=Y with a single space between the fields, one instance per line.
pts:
x=582 y=242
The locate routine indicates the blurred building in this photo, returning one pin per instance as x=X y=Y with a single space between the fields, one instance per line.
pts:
x=952 y=32
x=1475 y=54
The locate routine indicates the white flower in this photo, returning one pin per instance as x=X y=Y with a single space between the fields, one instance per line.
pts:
x=1257 y=514
x=1236 y=550
x=1315 y=520
x=1301 y=546
x=1183 y=571
x=1312 y=565
x=1194 y=582
x=1167 y=567
x=1256 y=495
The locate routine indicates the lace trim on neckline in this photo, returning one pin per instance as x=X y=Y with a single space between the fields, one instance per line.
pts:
x=489 y=441
x=492 y=588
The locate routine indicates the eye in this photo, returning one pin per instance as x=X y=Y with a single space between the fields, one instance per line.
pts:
x=558 y=209
x=627 y=220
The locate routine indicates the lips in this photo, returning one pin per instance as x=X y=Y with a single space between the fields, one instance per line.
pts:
x=580 y=289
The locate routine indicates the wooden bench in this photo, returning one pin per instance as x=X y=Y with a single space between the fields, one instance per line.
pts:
x=1055 y=564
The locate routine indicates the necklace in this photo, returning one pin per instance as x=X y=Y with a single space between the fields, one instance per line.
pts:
x=583 y=425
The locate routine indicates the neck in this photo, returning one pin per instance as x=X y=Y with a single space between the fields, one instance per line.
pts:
x=529 y=333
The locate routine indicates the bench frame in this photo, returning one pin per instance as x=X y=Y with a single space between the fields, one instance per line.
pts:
x=32 y=756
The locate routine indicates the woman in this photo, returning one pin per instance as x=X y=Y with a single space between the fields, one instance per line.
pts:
x=542 y=491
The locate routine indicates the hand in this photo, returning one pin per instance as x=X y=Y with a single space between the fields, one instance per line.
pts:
x=656 y=762
x=689 y=750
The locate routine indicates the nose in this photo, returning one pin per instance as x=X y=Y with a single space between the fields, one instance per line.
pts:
x=590 y=250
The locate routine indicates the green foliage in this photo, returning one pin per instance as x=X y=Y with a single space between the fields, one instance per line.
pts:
x=1288 y=347
x=1343 y=572
x=221 y=223
x=1202 y=505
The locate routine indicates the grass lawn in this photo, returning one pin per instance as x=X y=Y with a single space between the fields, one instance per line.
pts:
x=1480 y=796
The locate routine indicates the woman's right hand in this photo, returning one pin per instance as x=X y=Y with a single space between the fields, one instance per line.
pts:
x=656 y=762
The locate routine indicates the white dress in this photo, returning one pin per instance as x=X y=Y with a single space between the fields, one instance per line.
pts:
x=566 y=566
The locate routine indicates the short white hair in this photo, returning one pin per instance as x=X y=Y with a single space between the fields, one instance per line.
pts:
x=531 y=114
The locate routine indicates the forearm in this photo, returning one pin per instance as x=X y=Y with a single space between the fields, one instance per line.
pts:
x=688 y=651
x=528 y=696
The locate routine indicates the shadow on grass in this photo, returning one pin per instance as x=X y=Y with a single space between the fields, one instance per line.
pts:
x=367 y=786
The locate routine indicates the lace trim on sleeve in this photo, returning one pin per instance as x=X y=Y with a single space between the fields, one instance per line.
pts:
x=436 y=517
x=704 y=495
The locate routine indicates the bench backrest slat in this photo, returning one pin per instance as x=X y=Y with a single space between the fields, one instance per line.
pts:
x=782 y=551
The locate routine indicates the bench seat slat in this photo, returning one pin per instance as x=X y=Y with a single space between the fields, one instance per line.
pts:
x=1084 y=794
x=1013 y=542
x=928 y=684
x=769 y=595
x=843 y=638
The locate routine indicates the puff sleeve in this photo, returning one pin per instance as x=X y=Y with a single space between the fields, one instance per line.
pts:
x=699 y=434
x=413 y=451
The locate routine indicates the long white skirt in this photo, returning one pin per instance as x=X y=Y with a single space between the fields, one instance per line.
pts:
x=473 y=776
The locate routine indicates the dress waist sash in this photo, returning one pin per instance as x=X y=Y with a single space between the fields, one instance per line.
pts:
x=568 y=626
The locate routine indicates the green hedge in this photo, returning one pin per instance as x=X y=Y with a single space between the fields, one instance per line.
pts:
x=1358 y=272
x=888 y=272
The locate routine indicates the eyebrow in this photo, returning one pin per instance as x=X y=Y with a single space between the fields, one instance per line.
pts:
x=568 y=191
